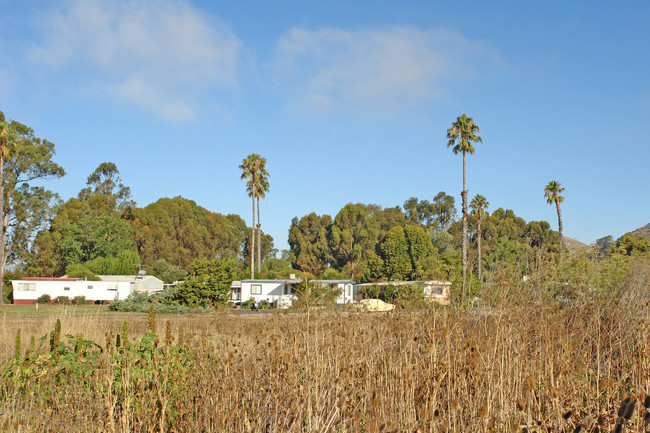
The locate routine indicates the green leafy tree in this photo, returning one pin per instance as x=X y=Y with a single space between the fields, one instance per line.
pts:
x=436 y=215
x=207 y=283
x=266 y=244
x=126 y=262
x=386 y=218
x=92 y=237
x=421 y=251
x=552 y=193
x=503 y=223
x=168 y=273
x=395 y=254
x=417 y=211
x=353 y=235
x=7 y=288
x=24 y=158
x=274 y=267
x=630 y=245
x=444 y=210
x=539 y=234
x=105 y=191
x=375 y=268
x=179 y=231
x=479 y=204
x=462 y=133
x=505 y=251
x=605 y=246
x=310 y=251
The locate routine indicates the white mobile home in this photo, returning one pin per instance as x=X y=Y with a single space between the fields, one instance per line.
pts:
x=282 y=292
x=139 y=283
x=28 y=290
x=347 y=289
x=433 y=290
x=109 y=288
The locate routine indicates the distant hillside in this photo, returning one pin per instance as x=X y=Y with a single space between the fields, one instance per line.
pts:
x=572 y=243
x=575 y=246
x=643 y=231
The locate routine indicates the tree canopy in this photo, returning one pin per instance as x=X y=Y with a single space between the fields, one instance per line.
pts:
x=26 y=207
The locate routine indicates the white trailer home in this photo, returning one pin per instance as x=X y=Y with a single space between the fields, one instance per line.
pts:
x=139 y=283
x=282 y=292
x=28 y=290
x=347 y=290
x=109 y=288
x=433 y=290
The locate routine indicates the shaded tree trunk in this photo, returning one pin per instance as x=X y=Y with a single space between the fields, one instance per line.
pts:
x=559 y=224
x=480 y=220
x=259 y=237
x=251 y=250
x=464 y=244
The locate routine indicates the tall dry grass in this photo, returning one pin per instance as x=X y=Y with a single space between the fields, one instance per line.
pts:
x=542 y=367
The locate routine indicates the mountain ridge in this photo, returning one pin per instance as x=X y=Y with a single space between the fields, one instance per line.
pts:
x=643 y=231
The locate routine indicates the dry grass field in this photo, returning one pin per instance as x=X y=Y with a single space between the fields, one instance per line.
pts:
x=515 y=367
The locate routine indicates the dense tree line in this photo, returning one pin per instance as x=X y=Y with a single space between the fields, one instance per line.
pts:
x=103 y=231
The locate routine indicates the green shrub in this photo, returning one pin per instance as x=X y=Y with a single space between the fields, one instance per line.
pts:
x=162 y=304
x=44 y=299
x=79 y=300
x=64 y=300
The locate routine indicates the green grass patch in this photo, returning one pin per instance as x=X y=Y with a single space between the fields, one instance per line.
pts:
x=55 y=310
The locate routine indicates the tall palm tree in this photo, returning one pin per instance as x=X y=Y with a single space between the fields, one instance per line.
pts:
x=249 y=171
x=479 y=204
x=552 y=193
x=261 y=189
x=460 y=136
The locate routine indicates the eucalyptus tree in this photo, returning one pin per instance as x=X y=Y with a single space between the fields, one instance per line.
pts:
x=460 y=136
x=24 y=207
x=479 y=204
x=105 y=191
x=308 y=243
x=552 y=193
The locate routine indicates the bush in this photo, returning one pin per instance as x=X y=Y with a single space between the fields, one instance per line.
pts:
x=162 y=304
x=44 y=299
x=315 y=295
x=7 y=292
x=64 y=300
x=79 y=300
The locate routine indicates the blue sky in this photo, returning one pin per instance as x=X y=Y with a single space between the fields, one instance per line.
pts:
x=348 y=101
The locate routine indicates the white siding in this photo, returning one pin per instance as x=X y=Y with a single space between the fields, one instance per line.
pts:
x=31 y=290
x=265 y=290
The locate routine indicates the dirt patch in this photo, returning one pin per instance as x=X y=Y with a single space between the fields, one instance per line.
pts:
x=374 y=305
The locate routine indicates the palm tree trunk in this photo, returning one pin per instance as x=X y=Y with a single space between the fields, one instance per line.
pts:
x=559 y=223
x=259 y=237
x=251 y=250
x=464 y=244
x=479 y=249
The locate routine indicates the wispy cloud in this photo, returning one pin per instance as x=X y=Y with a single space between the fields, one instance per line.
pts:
x=380 y=70
x=161 y=56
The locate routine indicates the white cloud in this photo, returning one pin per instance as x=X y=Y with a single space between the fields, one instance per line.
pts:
x=161 y=56
x=378 y=70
